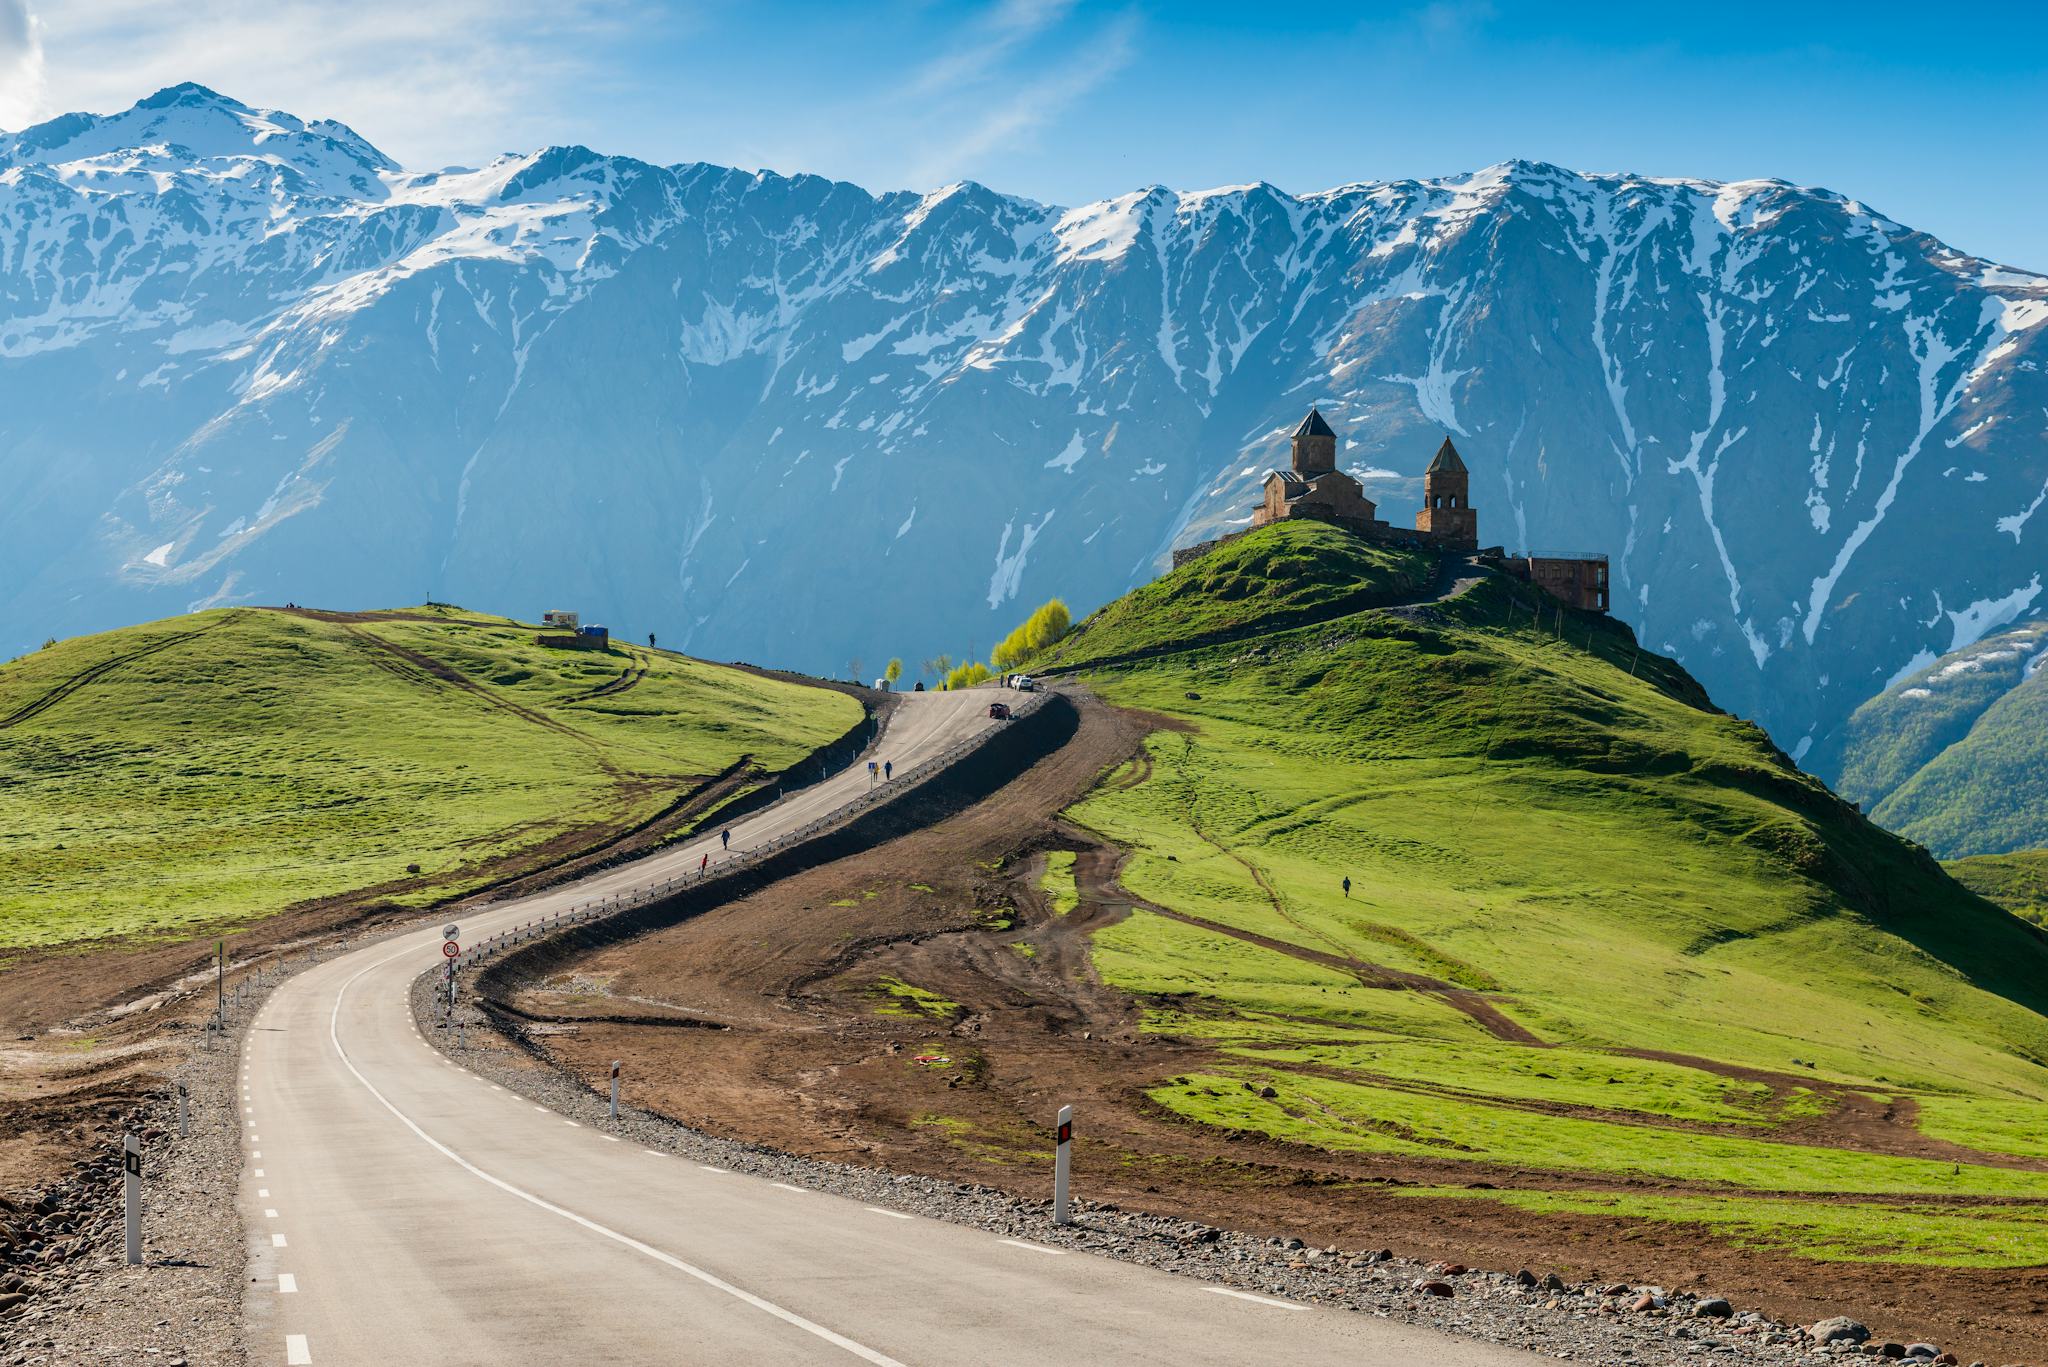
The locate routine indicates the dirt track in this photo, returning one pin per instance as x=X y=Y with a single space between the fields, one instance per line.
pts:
x=814 y=1060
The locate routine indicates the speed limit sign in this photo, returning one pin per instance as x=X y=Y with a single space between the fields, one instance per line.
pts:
x=450 y=948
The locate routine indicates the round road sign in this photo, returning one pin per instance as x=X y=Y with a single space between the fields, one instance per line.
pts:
x=449 y=932
x=450 y=948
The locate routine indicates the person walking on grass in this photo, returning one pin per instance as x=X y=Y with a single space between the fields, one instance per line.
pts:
x=1347 y=885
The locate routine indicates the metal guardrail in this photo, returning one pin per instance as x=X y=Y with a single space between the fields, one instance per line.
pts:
x=603 y=908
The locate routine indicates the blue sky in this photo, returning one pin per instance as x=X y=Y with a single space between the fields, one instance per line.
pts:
x=1936 y=116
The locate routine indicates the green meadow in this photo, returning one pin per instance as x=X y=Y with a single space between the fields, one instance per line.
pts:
x=1595 y=927
x=1287 y=569
x=195 y=774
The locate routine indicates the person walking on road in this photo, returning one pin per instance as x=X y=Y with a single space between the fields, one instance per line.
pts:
x=888 y=770
x=725 y=838
x=705 y=862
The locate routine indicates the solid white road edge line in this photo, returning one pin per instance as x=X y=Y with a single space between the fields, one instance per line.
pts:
x=1262 y=1300
x=789 y=1317
x=1035 y=1248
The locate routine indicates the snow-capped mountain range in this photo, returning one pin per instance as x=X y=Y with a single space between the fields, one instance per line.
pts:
x=245 y=357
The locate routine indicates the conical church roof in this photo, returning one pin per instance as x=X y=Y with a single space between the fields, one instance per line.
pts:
x=1446 y=462
x=1314 y=426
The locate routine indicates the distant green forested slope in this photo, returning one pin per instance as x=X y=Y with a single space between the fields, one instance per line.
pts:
x=1955 y=756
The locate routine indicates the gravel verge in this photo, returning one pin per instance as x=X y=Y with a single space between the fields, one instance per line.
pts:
x=67 y=1293
x=1600 y=1323
x=77 y=1297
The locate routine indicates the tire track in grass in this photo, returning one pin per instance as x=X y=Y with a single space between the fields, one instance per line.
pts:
x=1342 y=957
x=86 y=677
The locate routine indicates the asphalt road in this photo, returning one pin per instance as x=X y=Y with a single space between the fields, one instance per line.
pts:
x=403 y=1210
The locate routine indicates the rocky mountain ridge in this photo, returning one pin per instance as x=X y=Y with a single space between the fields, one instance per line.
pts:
x=248 y=358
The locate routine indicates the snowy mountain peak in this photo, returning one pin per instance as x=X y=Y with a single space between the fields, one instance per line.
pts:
x=190 y=129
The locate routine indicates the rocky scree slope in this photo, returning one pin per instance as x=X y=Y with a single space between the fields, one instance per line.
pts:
x=247 y=358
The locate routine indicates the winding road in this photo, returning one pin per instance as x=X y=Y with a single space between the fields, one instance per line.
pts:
x=403 y=1210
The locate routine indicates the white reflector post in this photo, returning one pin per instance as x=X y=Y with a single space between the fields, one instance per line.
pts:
x=1062 y=1155
x=131 y=1185
x=615 y=1091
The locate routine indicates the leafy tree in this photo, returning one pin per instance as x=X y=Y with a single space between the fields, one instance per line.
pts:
x=968 y=675
x=894 y=670
x=1034 y=634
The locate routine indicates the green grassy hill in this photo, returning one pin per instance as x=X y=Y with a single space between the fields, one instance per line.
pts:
x=1605 y=947
x=1955 y=756
x=1289 y=571
x=198 y=773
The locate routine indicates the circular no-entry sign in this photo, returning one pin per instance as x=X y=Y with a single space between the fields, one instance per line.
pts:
x=450 y=948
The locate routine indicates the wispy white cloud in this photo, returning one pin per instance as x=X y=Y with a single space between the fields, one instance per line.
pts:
x=429 y=82
x=985 y=44
x=1022 y=102
x=21 y=64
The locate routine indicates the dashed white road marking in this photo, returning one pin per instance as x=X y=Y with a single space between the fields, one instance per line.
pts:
x=286 y=1283
x=612 y=1138
x=263 y=1193
x=1261 y=1300
x=1035 y=1248
x=296 y=1353
x=257 y=1154
x=259 y=1171
x=786 y=1186
x=496 y=1088
x=706 y=1166
x=542 y=1109
x=270 y=1215
x=892 y=1214
x=277 y=1241
x=572 y=1124
x=789 y=1317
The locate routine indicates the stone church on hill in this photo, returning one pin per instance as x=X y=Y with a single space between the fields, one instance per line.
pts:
x=1314 y=488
